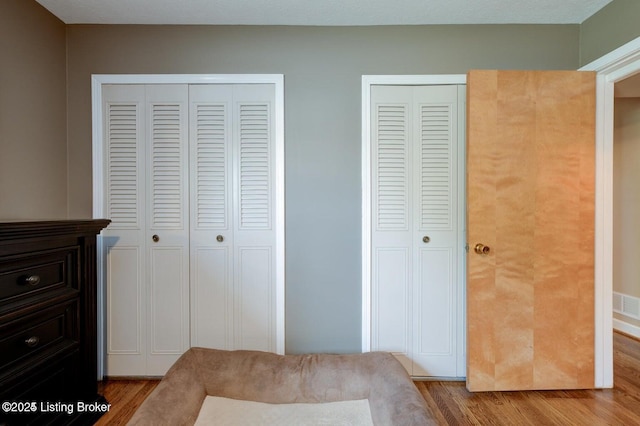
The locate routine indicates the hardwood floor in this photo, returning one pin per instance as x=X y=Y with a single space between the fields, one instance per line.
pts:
x=125 y=396
x=452 y=404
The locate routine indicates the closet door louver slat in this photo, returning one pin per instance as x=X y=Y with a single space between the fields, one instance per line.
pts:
x=211 y=166
x=392 y=167
x=435 y=157
x=166 y=189
x=122 y=174
x=255 y=168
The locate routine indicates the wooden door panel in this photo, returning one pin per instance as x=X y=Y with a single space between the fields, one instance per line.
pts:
x=530 y=170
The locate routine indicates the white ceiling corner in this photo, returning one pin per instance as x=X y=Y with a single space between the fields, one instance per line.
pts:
x=323 y=12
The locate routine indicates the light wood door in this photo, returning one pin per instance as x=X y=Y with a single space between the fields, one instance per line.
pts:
x=530 y=171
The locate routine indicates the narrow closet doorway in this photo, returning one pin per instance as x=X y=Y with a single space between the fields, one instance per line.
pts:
x=626 y=205
x=413 y=221
x=190 y=170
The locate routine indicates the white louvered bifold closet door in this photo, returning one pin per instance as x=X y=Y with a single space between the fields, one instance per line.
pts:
x=124 y=238
x=417 y=258
x=232 y=232
x=191 y=247
x=254 y=238
x=211 y=218
x=167 y=225
x=148 y=239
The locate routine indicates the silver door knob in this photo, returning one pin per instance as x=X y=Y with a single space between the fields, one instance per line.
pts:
x=426 y=239
x=219 y=238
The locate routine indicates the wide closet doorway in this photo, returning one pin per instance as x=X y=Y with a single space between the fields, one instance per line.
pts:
x=413 y=221
x=190 y=171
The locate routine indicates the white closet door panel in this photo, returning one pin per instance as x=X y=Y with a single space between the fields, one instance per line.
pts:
x=391 y=331
x=255 y=168
x=211 y=187
x=123 y=154
x=211 y=313
x=123 y=301
x=126 y=338
x=211 y=236
x=168 y=305
x=255 y=303
x=210 y=130
x=436 y=191
x=168 y=220
x=435 y=155
x=392 y=172
x=124 y=136
x=392 y=307
x=253 y=218
x=436 y=213
x=167 y=108
x=434 y=333
x=391 y=234
x=254 y=156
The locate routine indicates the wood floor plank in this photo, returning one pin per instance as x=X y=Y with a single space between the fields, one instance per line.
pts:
x=125 y=396
x=618 y=406
x=452 y=404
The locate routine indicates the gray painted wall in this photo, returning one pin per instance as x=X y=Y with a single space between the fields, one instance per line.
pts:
x=33 y=136
x=322 y=68
x=614 y=25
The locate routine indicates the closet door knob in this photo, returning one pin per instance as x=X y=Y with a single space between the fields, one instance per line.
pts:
x=219 y=238
x=155 y=238
x=426 y=239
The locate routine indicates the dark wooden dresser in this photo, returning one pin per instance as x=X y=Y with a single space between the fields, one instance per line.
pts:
x=48 y=355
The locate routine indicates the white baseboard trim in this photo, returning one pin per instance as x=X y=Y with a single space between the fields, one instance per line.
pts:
x=625 y=327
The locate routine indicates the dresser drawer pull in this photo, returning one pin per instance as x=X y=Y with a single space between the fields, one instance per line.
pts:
x=32 y=341
x=32 y=280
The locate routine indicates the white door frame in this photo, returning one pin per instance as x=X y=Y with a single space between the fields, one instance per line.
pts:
x=367 y=82
x=97 y=81
x=612 y=67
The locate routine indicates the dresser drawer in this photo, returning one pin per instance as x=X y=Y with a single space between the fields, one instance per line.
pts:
x=54 y=382
x=38 y=335
x=27 y=276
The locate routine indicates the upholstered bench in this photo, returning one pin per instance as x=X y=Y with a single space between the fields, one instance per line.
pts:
x=284 y=379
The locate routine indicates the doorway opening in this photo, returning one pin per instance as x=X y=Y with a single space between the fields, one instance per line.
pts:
x=613 y=67
x=626 y=205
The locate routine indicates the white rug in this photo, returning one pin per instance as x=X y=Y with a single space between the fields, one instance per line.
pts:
x=232 y=412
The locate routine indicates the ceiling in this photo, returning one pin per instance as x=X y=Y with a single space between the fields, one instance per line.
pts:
x=323 y=12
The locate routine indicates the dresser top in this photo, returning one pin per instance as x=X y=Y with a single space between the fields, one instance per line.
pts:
x=40 y=228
